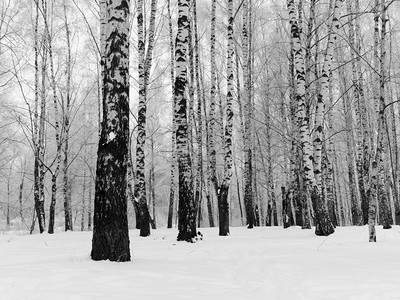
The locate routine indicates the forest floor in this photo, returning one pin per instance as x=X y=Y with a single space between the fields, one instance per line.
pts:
x=261 y=263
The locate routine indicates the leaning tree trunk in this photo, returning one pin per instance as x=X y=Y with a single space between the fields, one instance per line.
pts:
x=382 y=195
x=110 y=232
x=187 y=209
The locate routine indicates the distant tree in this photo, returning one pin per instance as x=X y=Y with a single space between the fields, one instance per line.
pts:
x=110 y=224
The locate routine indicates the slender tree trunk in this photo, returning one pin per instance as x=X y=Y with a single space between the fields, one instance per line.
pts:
x=8 y=222
x=329 y=181
x=187 y=209
x=152 y=185
x=199 y=134
x=130 y=183
x=140 y=183
x=248 y=170
x=21 y=190
x=110 y=232
x=39 y=128
x=382 y=195
x=212 y=114
x=358 y=203
x=90 y=206
x=172 y=193
x=207 y=180
x=238 y=191
x=83 y=201
x=293 y=198
x=354 y=187
x=323 y=223
x=66 y=127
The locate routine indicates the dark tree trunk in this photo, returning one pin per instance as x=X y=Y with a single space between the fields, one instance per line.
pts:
x=90 y=206
x=171 y=207
x=248 y=193
x=323 y=225
x=52 y=203
x=223 y=209
x=21 y=190
x=287 y=218
x=210 y=211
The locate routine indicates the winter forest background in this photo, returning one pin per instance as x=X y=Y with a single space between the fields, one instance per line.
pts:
x=339 y=136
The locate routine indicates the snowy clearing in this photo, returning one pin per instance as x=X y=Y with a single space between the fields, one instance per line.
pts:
x=262 y=263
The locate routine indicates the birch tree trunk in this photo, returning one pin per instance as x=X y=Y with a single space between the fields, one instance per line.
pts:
x=90 y=206
x=21 y=191
x=172 y=193
x=248 y=194
x=212 y=114
x=110 y=232
x=199 y=133
x=357 y=190
x=140 y=183
x=83 y=201
x=382 y=143
x=187 y=209
x=367 y=134
x=39 y=127
x=373 y=188
x=330 y=154
x=324 y=225
x=66 y=127
x=41 y=139
x=223 y=189
x=323 y=222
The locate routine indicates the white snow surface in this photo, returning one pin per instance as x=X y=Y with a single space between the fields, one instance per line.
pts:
x=259 y=263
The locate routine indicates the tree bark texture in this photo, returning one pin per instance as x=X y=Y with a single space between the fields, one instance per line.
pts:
x=187 y=209
x=223 y=204
x=110 y=232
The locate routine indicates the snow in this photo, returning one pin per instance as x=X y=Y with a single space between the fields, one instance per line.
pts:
x=111 y=136
x=261 y=263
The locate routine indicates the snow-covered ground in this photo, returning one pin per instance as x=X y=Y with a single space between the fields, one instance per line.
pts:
x=261 y=263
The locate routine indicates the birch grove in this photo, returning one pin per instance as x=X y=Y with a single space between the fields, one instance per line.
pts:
x=248 y=113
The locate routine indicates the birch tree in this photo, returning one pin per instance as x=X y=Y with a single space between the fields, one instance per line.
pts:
x=187 y=210
x=323 y=223
x=172 y=193
x=38 y=130
x=110 y=231
x=145 y=61
x=247 y=106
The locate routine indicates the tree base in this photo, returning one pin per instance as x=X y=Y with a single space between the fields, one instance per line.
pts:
x=189 y=237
